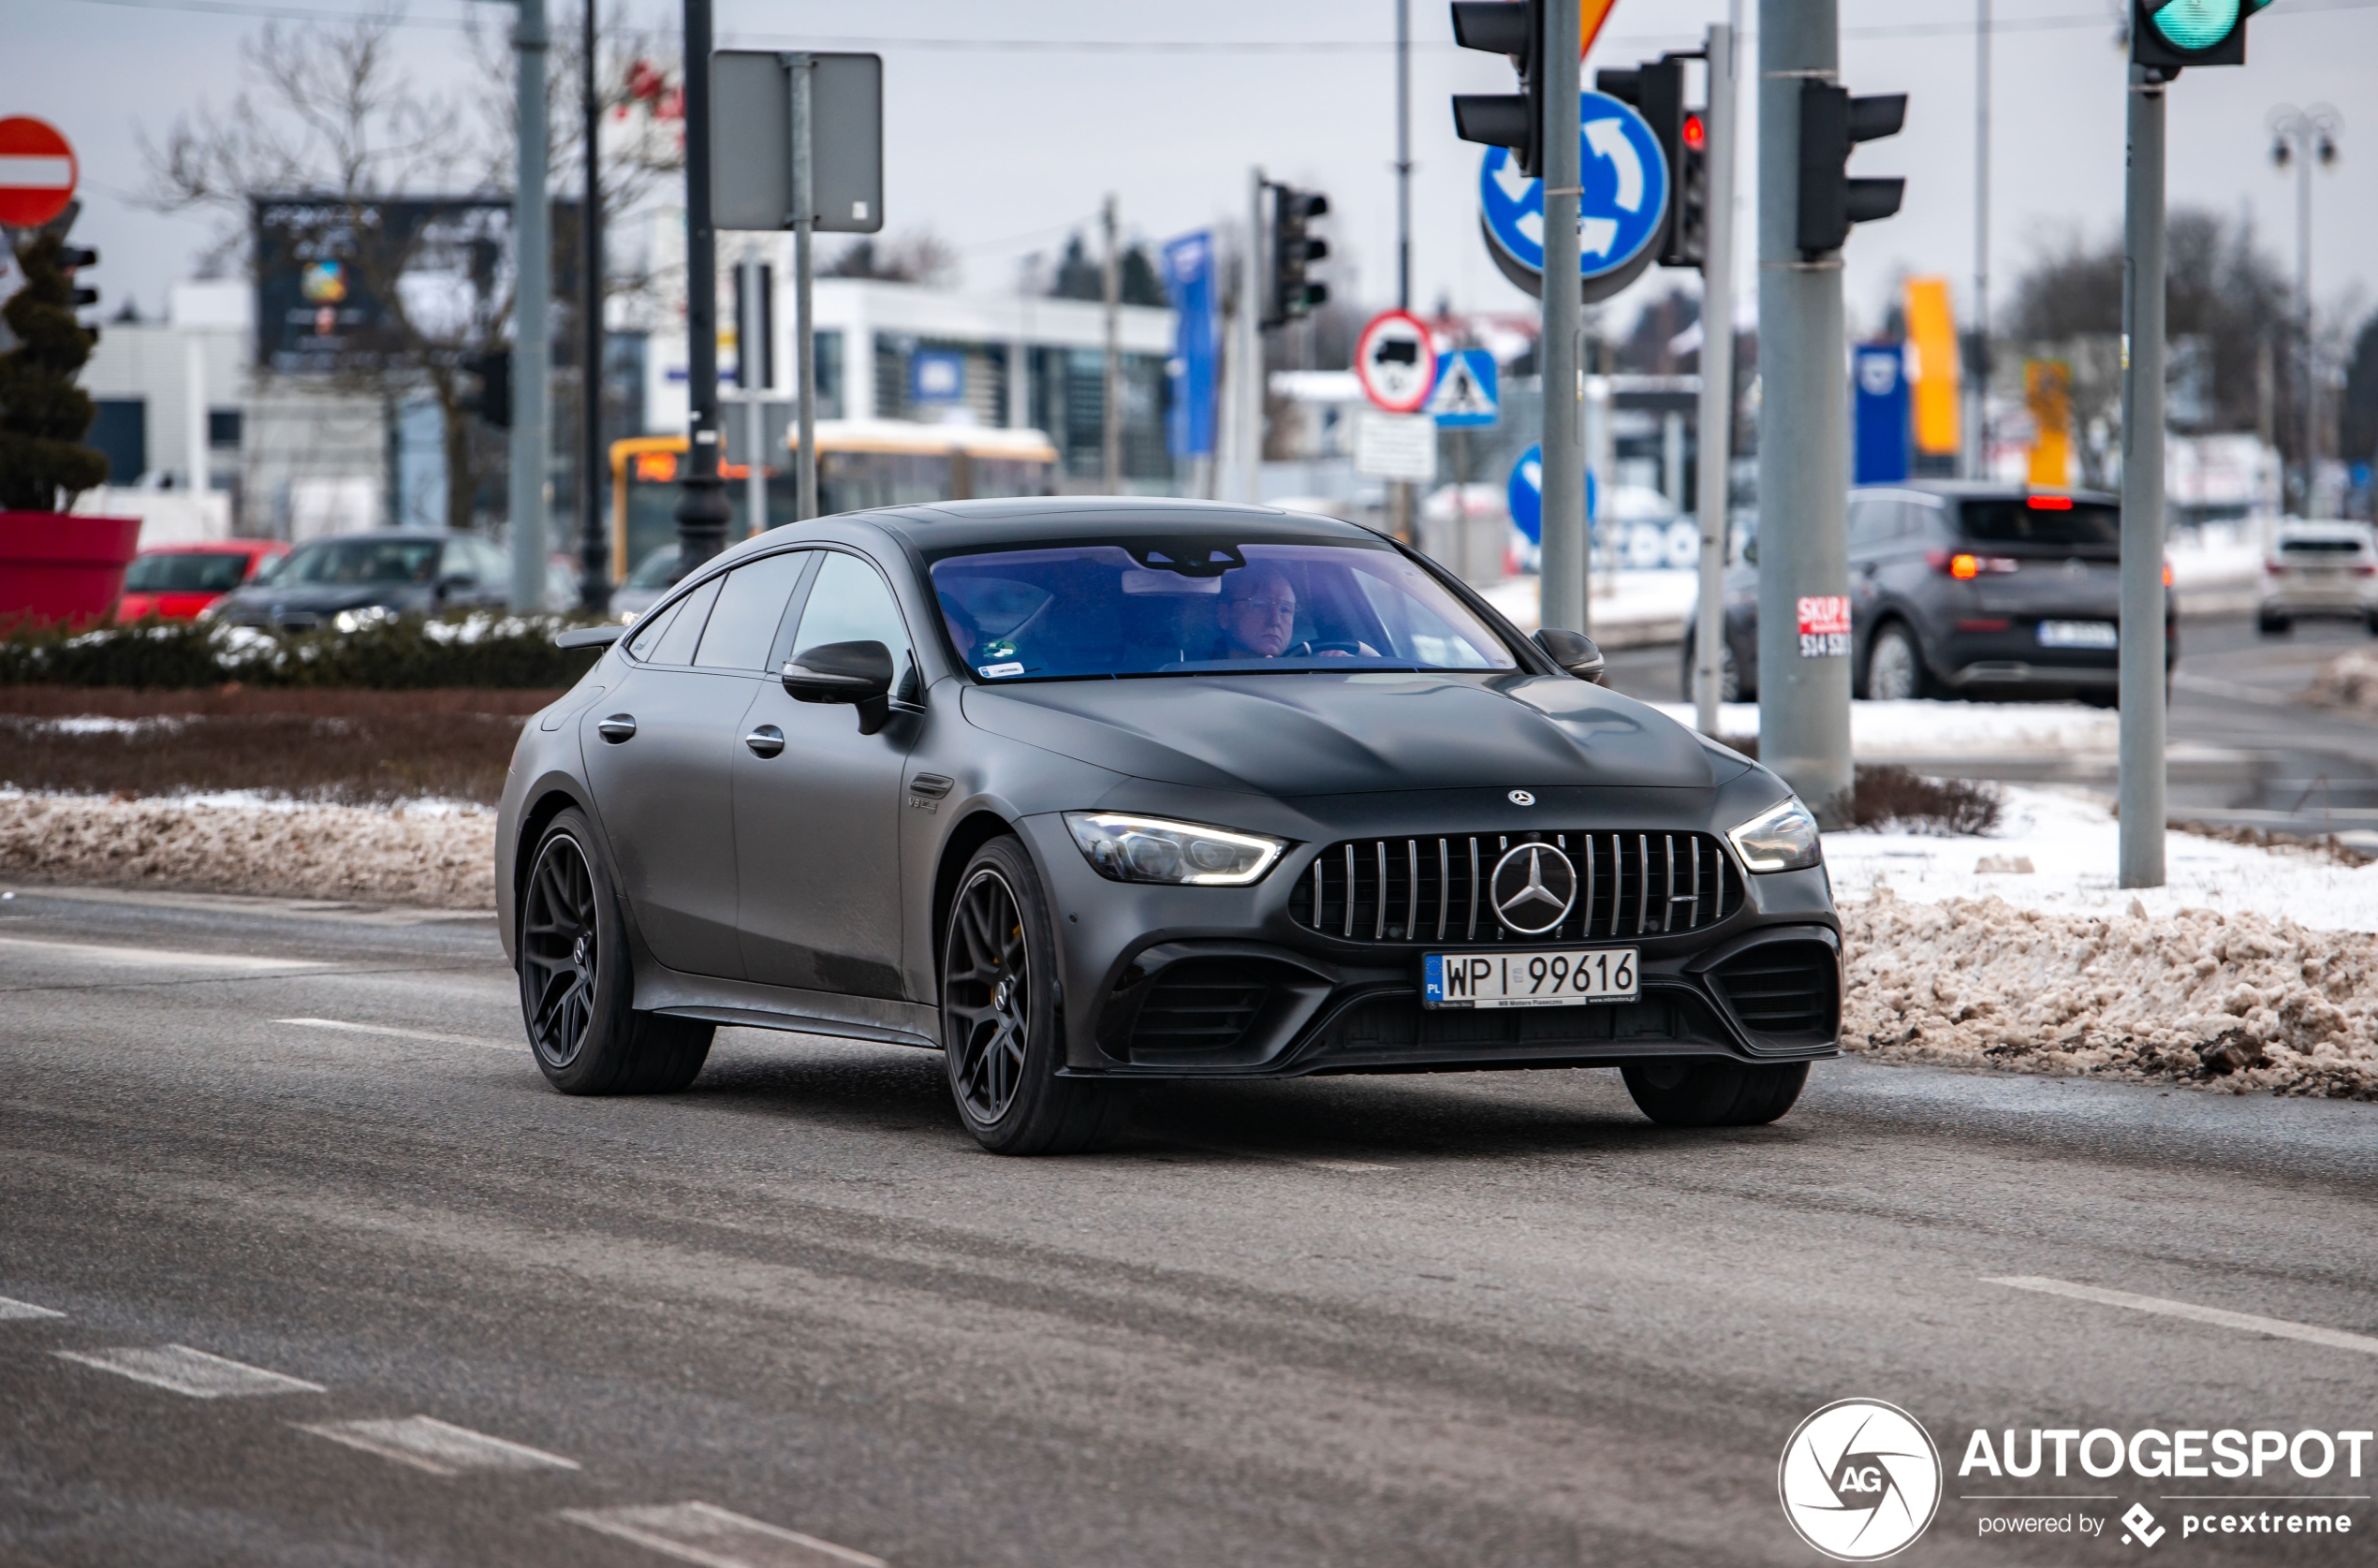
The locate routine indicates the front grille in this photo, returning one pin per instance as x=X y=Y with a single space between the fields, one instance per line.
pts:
x=1782 y=987
x=1203 y=1004
x=1434 y=889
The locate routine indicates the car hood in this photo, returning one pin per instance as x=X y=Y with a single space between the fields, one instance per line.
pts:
x=1297 y=735
x=326 y=598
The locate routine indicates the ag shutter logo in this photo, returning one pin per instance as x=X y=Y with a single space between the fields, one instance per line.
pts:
x=1860 y=1480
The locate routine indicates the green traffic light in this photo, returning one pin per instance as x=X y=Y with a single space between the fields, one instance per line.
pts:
x=2197 y=24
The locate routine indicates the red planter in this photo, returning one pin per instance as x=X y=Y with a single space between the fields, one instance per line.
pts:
x=56 y=566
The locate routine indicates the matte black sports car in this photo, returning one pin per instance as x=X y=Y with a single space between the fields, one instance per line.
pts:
x=1084 y=793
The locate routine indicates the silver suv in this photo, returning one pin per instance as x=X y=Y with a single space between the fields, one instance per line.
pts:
x=2318 y=569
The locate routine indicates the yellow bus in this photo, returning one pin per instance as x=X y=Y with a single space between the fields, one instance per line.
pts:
x=860 y=464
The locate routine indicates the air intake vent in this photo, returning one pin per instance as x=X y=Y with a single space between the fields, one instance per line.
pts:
x=1436 y=889
x=1784 y=987
x=1205 y=1004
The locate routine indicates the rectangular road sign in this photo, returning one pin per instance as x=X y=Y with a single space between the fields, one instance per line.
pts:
x=752 y=137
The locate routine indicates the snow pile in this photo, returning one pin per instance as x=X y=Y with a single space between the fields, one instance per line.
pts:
x=2241 y=1002
x=1920 y=727
x=2348 y=680
x=2070 y=840
x=441 y=857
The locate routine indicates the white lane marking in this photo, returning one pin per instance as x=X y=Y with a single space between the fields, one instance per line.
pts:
x=341 y=1025
x=428 y=1444
x=702 y=1533
x=191 y=1372
x=155 y=957
x=2335 y=1339
x=18 y=1311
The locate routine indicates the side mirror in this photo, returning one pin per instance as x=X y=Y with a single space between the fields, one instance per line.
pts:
x=1572 y=651
x=1751 y=550
x=858 y=673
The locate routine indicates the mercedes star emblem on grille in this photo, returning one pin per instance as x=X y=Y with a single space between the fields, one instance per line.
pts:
x=1520 y=798
x=1533 y=887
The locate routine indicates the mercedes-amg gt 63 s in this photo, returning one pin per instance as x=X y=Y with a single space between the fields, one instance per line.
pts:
x=1089 y=793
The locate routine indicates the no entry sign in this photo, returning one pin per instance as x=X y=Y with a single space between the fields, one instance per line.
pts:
x=36 y=172
x=1396 y=361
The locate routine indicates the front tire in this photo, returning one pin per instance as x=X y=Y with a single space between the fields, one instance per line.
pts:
x=1729 y=672
x=1001 y=1026
x=577 y=991
x=1711 y=1093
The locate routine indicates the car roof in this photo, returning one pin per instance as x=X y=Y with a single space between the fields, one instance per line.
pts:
x=1025 y=519
x=385 y=536
x=1983 y=490
x=2324 y=528
x=218 y=547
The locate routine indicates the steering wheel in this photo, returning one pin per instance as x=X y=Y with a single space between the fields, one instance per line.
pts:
x=1353 y=649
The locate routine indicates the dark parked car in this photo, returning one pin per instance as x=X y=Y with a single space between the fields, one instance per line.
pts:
x=1965 y=589
x=407 y=573
x=1090 y=792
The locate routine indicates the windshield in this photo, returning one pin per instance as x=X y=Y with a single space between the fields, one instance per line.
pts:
x=1171 y=605
x=338 y=563
x=191 y=572
x=656 y=570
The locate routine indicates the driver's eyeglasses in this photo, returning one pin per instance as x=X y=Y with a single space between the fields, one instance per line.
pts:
x=1272 y=607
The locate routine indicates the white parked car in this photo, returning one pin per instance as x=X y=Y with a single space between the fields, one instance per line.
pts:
x=2318 y=569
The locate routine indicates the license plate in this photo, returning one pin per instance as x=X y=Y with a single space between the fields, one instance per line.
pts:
x=1549 y=977
x=2078 y=634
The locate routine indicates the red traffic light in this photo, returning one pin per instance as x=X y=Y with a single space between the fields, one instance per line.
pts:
x=1696 y=133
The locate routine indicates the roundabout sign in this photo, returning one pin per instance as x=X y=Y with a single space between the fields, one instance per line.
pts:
x=1621 y=206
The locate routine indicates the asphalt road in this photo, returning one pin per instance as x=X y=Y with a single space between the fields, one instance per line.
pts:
x=2261 y=757
x=1495 y=1319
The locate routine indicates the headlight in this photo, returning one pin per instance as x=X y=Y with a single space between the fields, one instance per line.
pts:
x=1149 y=849
x=1782 y=837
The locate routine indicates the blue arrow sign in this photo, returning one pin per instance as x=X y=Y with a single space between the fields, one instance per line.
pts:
x=1468 y=393
x=1625 y=181
x=1525 y=494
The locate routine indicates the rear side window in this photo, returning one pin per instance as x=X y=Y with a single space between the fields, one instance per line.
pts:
x=2019 y=522
x=2320 y=546
x=648 y=636
x=676 y=645
x=750 y=609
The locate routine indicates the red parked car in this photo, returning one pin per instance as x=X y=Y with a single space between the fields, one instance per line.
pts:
x=173 y=582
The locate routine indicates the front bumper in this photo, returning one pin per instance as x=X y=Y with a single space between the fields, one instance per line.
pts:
x=1205 y=982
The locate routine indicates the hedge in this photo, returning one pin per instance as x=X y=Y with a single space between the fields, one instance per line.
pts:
x=383 y=651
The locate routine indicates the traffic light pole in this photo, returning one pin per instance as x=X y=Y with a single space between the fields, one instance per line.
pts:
x=533 y=276
x=1564 y=604
x=595 y=535
x=1717 y=377
x=2141 y=788
x=701 y=509
x=1804 y=681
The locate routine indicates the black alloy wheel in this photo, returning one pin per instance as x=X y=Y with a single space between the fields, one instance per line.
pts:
x=576 y=985
x=987 y=996
x=560 y=944
x=1712 y=1091
x=1002 y=1015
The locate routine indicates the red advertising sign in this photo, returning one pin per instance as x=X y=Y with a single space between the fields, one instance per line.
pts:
x=1824 y=625
x=36 y=172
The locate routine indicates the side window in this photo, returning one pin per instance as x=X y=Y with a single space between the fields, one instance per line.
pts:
x=494 y=565
x=850 y=603
x=1872 y=520
x=676 y=646
x=456 y=561
x=750 y=609
x=648 y=636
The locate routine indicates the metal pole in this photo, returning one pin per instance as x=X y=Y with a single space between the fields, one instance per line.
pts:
x=1805 y=687
x=1253 y=385
x=193 y=432
x=533 y=279
x=1401 y=521
x=1715 y=478
x=751 y=366
x=1111 y=422
x=2141 y=788
x=1977 y=460
x=593 y=536
x=2303 y=309
x=804 y=278
x=701 y=509
x=1564 y=604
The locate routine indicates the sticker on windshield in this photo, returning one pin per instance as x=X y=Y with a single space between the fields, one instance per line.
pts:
x=992 y=672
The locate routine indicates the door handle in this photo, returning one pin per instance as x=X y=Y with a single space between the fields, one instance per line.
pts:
x=618 y=728
x=766 y=740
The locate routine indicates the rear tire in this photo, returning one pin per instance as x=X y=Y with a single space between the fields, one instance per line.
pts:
x=1895 y=666
x=1713 y=1092
x=2271 y=625
x=577 y=985
x=1001 y=1019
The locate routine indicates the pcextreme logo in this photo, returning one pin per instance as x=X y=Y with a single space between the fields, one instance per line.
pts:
x=1860 y=1480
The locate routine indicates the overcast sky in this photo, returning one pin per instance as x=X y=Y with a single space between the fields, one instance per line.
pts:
x=998 y=150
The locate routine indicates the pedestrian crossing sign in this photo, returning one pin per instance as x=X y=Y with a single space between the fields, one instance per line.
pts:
x=1466 y=395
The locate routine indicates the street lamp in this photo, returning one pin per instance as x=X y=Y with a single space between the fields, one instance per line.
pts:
x=2302 y=137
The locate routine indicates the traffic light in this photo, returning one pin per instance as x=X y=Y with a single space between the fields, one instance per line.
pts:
x=1655 y=90
x=1513 y=120
x=1831 y=123
x=1294 y=250
x=492 y=400
x=2167 y=35
x=71 y=257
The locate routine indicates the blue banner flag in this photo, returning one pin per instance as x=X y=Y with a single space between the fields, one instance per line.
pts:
x=1189 y=279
